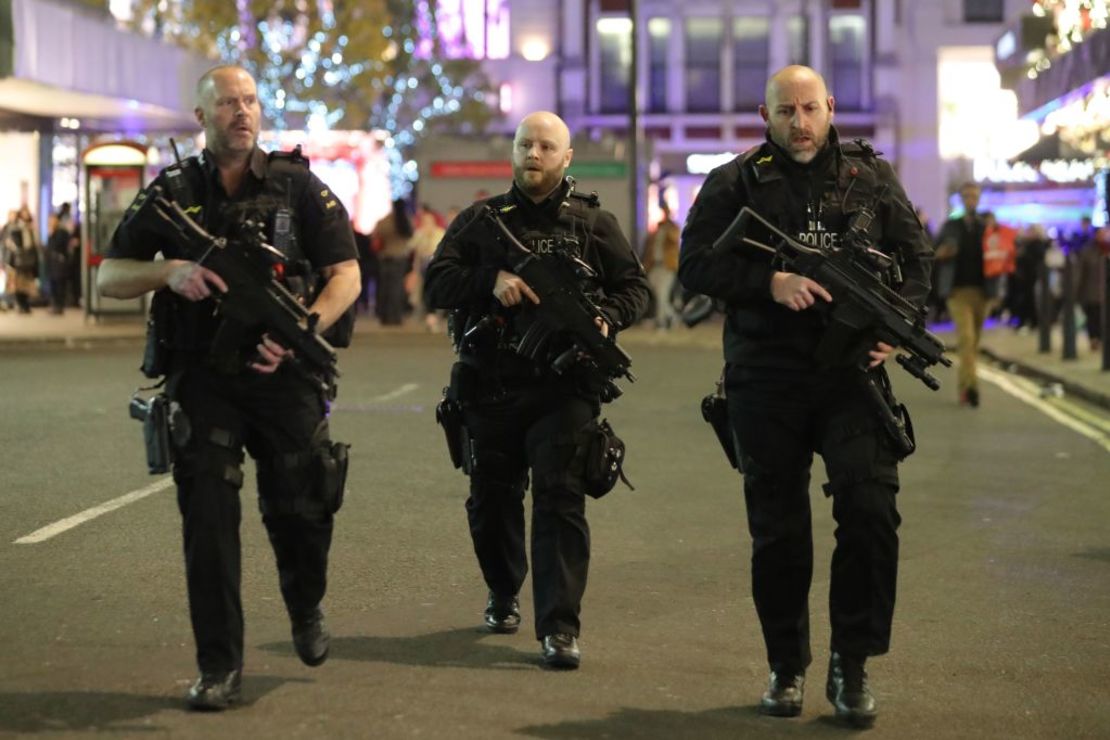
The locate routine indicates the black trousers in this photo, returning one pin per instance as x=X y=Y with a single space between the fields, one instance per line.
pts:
x=534 y=426
x=276 y=418
x=779 y=420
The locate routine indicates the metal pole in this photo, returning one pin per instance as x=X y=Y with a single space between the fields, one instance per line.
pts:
x=635 y=131
x=1067 y=323
x=1044 y=310
x=1105 y=313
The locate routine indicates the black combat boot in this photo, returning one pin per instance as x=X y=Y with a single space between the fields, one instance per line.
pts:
x=311 y=638
x=847 y=690
x=216 y=691
x=502 y=614
x=561 y=651
x=783 y=697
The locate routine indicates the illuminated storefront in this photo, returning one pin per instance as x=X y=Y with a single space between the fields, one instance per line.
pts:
x=1057 y=61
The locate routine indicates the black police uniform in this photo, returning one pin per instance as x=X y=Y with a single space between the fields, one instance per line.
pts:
x=519 y=414
x=279 y=418
x=783 y=406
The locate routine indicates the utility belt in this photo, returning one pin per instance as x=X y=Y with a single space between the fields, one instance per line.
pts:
x=893 y=416
x=600 y=452
x=167 y=430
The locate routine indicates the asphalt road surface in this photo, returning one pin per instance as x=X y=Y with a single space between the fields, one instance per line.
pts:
x=1002 y=626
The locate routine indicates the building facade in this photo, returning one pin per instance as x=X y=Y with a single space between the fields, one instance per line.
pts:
x=916 y=78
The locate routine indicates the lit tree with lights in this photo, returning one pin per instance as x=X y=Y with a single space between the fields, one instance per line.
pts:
x=336 y=64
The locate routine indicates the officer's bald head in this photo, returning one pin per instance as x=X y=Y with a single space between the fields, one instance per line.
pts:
x=211 y=81
x=545 y=123
x=789 y=79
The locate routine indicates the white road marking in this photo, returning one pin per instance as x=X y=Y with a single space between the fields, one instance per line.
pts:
x=1095 y=434
x=70 y=522
x=395 y=393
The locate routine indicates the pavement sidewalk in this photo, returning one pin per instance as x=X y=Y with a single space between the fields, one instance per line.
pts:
x=1082 y=377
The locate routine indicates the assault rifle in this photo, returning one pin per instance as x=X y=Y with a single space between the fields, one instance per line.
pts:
x=563 y=307
x=254 y=301
x=864 y=310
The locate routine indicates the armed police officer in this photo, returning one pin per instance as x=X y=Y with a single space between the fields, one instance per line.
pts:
x=784 y=405
x=520 y=414
x=242 y=391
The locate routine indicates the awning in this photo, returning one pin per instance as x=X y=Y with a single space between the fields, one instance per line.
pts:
x=1049 y=147
x=65 y=60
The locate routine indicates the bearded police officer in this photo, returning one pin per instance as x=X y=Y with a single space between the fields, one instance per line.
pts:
x=519 y=414
x=783 y=406
x=248 y=395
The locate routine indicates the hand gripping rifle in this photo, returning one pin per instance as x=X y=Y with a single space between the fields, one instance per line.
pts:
x=563 y=307
x=254 y=300
x=863 y=306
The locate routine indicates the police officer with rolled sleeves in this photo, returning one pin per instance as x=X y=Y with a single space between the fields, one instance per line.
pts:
x=783 y=405
x=521 y=416
x=247 y=397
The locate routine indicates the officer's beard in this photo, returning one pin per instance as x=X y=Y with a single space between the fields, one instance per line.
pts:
x=537 y=190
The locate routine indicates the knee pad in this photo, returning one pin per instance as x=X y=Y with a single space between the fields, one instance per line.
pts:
x=559 y=463
x=303 y=483
x=863 y=456
x=216 y=457
x=491 y=467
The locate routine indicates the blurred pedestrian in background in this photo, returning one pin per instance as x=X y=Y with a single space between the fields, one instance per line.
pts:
x=391 y=236
x=960 y=278
x=7 y=272
x=58 y=258
x=999 y=256
x=368 y=272
x=1090 y=281
x=425 y=239
x=21 y=251
x=660 y=260
x=1020 y=300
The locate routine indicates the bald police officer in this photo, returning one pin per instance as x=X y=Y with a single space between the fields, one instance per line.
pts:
x=523 y=418
x=249 y=396
x=783 y=407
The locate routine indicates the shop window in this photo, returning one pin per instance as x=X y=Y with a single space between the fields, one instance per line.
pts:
x=659 y=33
x=614 y=36
x=750 y=58
x=797 y=40
x=847 y=34
x=703 y=64
x=467 y=29
x=983 y=11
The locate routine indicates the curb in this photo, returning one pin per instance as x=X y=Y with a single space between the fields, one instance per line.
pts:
x=1022 y=368
x=69 y=341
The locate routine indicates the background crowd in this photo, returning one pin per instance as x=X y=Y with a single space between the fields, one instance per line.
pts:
x=1028 y=262
x=34 y=273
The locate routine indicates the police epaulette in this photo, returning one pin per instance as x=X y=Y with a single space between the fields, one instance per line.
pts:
x=292 y=157
x=862 y=148
x=592 y=200
x=502 y=202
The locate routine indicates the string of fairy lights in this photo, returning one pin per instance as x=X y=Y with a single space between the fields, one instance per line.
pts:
x=413 y=87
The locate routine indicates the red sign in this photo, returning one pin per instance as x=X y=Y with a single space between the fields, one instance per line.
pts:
x=493 y=169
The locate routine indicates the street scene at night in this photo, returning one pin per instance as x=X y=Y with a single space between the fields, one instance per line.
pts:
x=591 y=369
